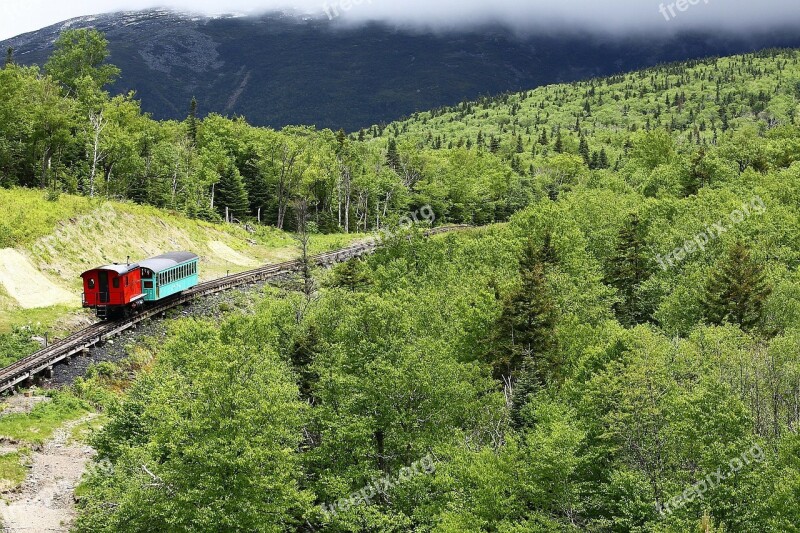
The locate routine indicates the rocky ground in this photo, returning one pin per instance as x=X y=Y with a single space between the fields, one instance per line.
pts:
x=45 y=501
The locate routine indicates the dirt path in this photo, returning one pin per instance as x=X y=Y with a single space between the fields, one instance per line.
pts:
x=45 y=500
x=29 y=287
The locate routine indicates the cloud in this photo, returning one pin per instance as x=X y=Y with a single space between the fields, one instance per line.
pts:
x=617 y=16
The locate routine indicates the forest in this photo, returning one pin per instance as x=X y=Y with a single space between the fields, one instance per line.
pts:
x=613 y=346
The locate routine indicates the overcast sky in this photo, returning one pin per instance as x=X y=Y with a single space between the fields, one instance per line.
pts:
x=19 y=16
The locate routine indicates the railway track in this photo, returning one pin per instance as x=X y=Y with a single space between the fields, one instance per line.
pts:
x=42 y=362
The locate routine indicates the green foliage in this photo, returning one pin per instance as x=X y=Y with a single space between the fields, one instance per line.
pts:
x=81 y=54
x=526 y=326
x=16 y=345
x=630 y=268
x=561 y=381
x=207 y=442
x=737 y=290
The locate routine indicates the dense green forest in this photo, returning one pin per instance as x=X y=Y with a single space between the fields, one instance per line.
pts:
x=620 y=355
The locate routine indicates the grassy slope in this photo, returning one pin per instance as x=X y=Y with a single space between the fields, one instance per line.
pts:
x=66 y=237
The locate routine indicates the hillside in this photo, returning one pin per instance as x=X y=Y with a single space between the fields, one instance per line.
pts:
x=615 y=348
x=45 y=245
x=281 y=69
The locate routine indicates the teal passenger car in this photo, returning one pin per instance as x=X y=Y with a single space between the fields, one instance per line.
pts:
x=168 y=274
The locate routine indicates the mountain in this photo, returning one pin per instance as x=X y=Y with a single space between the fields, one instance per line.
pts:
x=280 y=68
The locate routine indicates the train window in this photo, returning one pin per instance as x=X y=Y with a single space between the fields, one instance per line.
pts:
x=126 y=281
x=148 y=284
x=91 y=283
x=116 y=283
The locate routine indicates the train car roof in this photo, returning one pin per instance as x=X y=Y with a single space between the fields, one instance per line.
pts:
x=166 y=261
x=119 y=269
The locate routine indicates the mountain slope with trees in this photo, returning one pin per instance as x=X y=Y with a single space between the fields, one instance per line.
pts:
x=619 y=354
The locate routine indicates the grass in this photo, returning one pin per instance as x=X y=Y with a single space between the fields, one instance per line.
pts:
x=38 y=426
x=43 y=318
x=82 y=432
x=32 y=216
x=13 y=469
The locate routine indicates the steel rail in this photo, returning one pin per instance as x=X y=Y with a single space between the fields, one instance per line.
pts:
x=43 y=361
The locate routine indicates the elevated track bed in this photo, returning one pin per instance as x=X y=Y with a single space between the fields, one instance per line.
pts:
x=41 y=363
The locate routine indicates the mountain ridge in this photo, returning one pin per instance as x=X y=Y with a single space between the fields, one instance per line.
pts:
x=284 y=68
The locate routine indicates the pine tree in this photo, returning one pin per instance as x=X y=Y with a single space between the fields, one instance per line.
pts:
x=630 y=267
x=392 y=155
x=547 y=253
x=559 y=146
x=543 y=138
x=351 y=275
x=583 y=150
x=698 y=175
x=302 y=353
x=231 y=193
x=527 y=323
x=604 y=159
x=520 y=146
x=193 y=120
x=737 y=290
x=527 y=384
x=341 y=140
x=9 y=57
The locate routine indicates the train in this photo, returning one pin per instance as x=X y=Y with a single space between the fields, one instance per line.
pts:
x=121 y=290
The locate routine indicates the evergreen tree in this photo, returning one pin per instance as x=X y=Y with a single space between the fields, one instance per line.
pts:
x=494 y=145
x=527 y=323
x=9 y=57
x=737 y=290
x=520 y=146
x=392 y=155
x=559 y=145
x=543 y=138
x=630 y=267
x=192 y=119
x=547 y=253
x=604 y=159
x=698 y=176
x=594 y=164
x=583 y=150
x=231 y=193
x=341 y=139
x=351 y=275
x=527 y=384
x=302 y=353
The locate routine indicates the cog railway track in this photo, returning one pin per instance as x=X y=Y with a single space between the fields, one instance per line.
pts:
x=42 y=362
